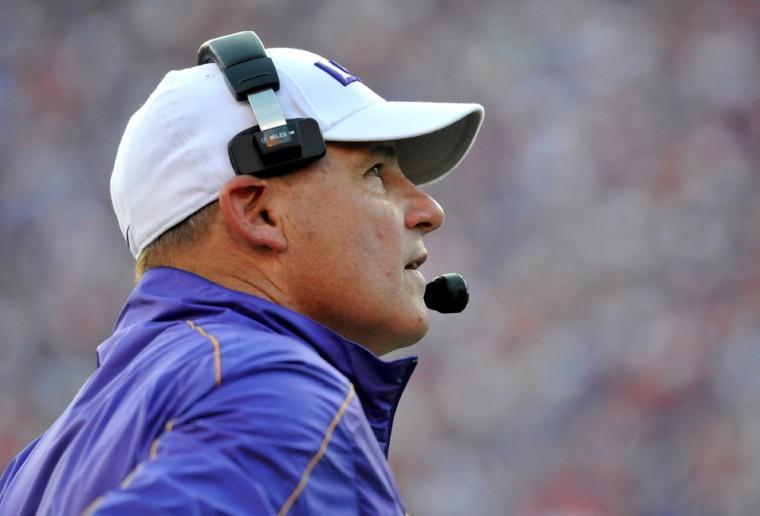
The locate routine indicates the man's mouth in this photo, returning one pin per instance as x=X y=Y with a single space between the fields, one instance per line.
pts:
x=417 y=262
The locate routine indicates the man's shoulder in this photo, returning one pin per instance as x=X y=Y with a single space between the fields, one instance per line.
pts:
x=236 y=349
x=280 y=375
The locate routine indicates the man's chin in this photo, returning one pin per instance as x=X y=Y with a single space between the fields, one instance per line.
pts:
x=402 y=336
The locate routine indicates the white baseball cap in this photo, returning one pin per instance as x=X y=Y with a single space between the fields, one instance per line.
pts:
x=173 y=158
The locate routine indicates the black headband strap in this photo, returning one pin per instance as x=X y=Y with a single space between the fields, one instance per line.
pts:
x=249 y=72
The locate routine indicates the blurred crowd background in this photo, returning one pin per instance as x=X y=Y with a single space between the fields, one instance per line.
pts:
x=607 y=219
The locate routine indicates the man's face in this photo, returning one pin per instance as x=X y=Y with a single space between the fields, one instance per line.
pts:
x=354 y=226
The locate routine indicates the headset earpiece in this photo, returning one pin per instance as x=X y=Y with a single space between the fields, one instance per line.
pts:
x=275 y=146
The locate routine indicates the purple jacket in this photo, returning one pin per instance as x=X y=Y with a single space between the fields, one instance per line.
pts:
x=208 y=400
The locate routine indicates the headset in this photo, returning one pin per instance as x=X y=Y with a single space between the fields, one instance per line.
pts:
x=277 y=146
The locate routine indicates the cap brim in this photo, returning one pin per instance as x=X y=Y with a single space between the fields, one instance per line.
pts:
x=431 y=137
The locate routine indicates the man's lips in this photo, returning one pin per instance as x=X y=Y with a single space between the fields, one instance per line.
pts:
x=416 y=262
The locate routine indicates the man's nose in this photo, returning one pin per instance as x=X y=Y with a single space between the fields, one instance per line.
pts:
x=423 y=212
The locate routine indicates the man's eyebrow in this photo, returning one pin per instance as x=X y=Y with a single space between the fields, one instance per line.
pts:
x=384 y=149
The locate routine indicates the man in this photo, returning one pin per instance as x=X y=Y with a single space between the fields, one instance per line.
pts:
x=242 y=375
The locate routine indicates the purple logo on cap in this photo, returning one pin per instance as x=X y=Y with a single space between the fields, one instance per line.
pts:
x=337 y=72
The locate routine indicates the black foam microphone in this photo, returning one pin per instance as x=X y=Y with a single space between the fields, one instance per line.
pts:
x=447 y=294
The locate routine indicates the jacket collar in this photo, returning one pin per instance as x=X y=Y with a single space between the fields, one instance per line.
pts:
x=165 y=294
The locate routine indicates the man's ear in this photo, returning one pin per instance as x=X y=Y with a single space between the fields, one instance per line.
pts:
x=244 y=203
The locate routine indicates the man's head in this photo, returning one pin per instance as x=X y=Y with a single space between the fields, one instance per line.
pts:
x=337 y=240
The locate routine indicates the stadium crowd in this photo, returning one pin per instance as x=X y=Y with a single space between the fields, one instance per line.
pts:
x=607 y=220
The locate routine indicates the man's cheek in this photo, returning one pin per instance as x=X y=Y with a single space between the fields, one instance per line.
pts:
x=387 y=228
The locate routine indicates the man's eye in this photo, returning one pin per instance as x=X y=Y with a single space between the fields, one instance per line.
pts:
x=375 y=170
